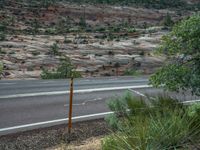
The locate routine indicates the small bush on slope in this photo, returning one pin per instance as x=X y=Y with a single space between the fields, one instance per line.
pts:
x=63 y=71
x=1 y=69
x=164 y=124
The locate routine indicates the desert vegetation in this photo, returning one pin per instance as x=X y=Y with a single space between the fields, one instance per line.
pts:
x=152 y=123
x=1 y=69
x=181 y=46
x=161 y=122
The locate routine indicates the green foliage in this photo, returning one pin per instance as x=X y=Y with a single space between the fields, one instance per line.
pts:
x=182 y=47
x=1 y=68
x=168 y=22
x=54 y=49
x=2 y=3
x=132 y=72
x=2 y=27
x=130 y=29
x=163 y=124
x=82 y=22
x=51 y=31
x=194 y=110
x=64 y=70
x=35 y=26
x=2 y=36
x=2 y=31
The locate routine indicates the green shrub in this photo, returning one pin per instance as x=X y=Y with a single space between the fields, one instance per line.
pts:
x=181 y=47
x=51 y=31
x=2 y=36
x=82 y=22
x=35 y=26
x=64 y=70
x=54 y=49
x=163 y=124
x=1 y=68
x=130 y=30
x=168 y=22
x=132 y=72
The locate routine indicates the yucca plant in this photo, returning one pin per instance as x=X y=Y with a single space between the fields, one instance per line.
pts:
x=161 y=124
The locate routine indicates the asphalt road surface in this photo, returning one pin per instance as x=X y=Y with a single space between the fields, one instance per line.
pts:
x=32 y=104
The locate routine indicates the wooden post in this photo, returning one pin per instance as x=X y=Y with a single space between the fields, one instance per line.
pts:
x=70 y=107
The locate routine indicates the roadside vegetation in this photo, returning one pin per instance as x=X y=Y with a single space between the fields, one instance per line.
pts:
x=132 y=72
x=158 y=123
x=163 y=123
x=182 y=48
x=1 y=69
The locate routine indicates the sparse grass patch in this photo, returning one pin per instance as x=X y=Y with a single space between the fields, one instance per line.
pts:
x=167 y=21
x=1 y=68
x=132 y=72
x=54 y=49
x=2 y=31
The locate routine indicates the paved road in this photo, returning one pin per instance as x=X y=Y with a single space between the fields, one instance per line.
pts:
x=35 y=109
x=35 y=86
x=28 y=109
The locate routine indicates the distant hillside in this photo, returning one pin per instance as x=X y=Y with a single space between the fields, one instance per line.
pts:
x=158 y=4
x=100 y=40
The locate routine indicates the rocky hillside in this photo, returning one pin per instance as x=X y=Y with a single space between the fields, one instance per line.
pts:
x=100 y=40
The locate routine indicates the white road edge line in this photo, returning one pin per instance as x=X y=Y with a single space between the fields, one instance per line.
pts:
x=66 y=119
x=54 y=121
x=184 y=102
x=138 y=93
x=75 y=91
x=192 y=101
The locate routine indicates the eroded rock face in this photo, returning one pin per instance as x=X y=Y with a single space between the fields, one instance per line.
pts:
x=91 y=53
x=91 y=59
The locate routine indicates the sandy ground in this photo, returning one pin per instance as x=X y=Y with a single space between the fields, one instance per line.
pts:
x=93 y=143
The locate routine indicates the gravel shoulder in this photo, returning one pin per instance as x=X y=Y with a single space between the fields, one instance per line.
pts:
x=55 y=137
